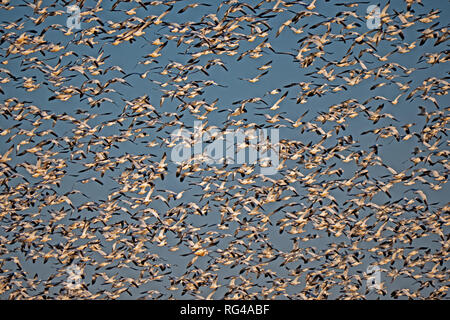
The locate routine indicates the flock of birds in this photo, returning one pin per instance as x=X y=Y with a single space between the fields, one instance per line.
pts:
x=86 y=177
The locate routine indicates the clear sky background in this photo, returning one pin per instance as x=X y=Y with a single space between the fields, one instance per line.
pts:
x=284 y=71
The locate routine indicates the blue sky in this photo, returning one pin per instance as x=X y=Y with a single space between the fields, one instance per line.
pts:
x=283 y=72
